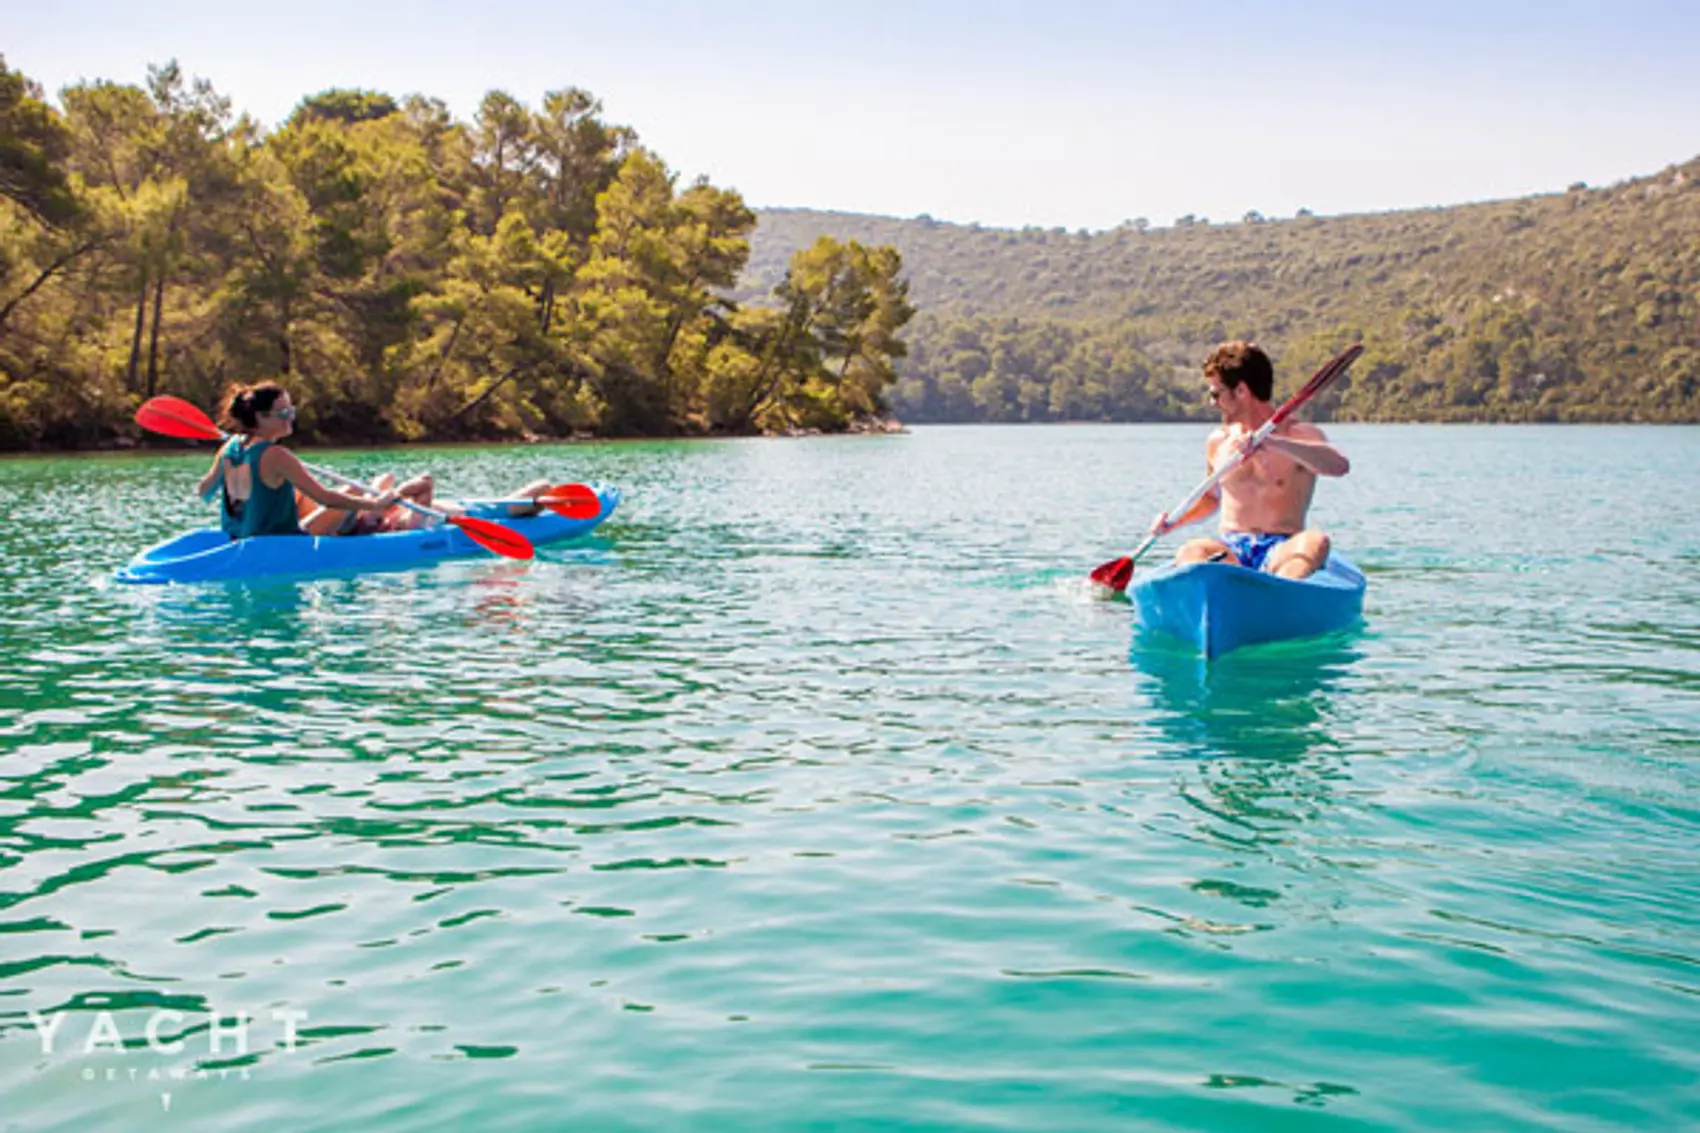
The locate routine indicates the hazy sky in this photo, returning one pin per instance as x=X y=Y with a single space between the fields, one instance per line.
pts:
x=1079 y=113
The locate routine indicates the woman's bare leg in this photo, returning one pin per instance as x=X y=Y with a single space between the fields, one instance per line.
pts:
x=334 y=521
x=531 y=491
x=422 y=490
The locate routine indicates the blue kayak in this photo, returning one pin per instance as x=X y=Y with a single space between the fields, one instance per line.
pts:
x=212 y=556
x=1219 y=607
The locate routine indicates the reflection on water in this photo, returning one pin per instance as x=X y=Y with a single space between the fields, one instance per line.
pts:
x=808 y=795
x=501 y=596
x=1259 y=723
x=1266 y=702
x=230 y=612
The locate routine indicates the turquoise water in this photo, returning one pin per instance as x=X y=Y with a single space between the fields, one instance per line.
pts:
x=818 y=792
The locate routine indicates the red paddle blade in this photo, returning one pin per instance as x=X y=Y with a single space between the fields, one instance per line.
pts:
x=575 y=501
x=1116 y=575
x=494 y=537
x=174 y=417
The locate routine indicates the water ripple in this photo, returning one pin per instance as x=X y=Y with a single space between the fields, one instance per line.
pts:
x=817 y=790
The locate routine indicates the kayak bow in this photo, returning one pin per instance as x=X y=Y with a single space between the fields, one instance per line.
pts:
x=1220 y=607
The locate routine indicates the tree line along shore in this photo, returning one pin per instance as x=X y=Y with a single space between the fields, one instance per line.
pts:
x=532 y=272
x=538 y=272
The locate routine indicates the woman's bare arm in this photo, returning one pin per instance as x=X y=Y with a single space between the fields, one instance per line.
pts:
x=286 y=465
x=212 y=476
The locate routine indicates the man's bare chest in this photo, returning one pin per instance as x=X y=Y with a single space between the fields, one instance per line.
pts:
x=1264 y=471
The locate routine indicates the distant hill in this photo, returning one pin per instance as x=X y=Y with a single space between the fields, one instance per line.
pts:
x=1576 y=305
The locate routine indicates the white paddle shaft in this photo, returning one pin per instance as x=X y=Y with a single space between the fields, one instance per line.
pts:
x=1214 y=478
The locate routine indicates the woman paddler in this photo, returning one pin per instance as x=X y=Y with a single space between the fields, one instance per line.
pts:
x=260 y=477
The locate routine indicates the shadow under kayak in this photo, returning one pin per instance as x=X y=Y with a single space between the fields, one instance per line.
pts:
x=1219 y=607
x=209 y=555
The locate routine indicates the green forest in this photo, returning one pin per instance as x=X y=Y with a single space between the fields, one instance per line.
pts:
x=1581 y=305
x=535 y=272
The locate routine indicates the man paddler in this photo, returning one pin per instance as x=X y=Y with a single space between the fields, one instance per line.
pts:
x=1263 y=502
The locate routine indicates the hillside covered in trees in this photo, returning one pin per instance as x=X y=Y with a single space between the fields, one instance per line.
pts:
x=537 y=271
x=1582 y=305
x=533 y=271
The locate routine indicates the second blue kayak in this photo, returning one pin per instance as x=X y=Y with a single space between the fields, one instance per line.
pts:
x=1220 y=607
x=212 y=556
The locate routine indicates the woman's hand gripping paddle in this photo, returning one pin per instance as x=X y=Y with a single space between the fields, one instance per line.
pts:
x=174 y=417
x=1117 y=573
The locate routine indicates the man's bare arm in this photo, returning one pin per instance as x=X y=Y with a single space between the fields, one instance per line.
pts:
x=1307 y=445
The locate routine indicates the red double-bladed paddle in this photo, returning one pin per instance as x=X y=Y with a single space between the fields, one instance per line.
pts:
x=174 y=417
x=1117 y=573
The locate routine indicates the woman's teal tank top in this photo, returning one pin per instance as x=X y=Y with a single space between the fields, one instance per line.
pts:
x=267 y=510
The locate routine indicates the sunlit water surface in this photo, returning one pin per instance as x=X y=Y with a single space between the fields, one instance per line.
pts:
x=817 y=790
